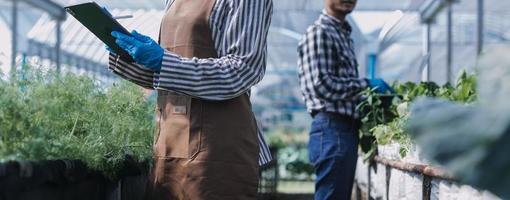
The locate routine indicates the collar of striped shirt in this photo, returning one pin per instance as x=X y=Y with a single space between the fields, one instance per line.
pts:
x=344 y=26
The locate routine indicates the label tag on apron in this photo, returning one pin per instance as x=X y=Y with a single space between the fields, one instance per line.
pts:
x=180 y=110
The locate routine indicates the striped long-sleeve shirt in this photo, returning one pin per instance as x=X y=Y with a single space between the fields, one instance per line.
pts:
x=328 y=69
x=239 y=30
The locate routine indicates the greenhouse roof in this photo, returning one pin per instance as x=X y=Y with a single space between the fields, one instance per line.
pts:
x=292 y=17
x=365 y=5
x=290 y=20
x=405 y=39
x=120 y=4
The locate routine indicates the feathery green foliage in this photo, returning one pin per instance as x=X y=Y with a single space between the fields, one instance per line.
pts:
x=50 y=117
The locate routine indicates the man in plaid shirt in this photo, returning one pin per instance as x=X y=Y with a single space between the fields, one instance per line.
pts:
x=330 y=86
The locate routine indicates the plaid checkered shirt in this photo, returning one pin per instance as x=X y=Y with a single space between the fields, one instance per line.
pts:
x=328 y=69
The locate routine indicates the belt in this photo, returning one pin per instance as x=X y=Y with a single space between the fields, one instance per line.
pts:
x=337 y=117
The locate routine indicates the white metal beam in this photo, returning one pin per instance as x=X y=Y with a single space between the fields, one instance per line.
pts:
x=480 y=27
x=449 y=41
x=58 y=44
x=428 y=9
x=426 y=52
x=14 y=43
x=50 y=7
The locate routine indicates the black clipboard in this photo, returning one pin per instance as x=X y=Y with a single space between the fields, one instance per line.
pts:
x=101 y=24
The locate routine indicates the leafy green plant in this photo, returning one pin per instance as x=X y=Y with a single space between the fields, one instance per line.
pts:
x=71 y=117
x=465 y=90
x=384 y=124
x=377 y=109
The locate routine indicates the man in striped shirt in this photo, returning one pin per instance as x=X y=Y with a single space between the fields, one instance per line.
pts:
x=330 y=86
x=211 y=52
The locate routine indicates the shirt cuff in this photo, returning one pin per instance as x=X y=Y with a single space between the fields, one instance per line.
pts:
x=155 y=83
x=113 y=61
x=166 y=69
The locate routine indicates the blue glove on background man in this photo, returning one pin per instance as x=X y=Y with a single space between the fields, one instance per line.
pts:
x=144 y=50
x=380 y=86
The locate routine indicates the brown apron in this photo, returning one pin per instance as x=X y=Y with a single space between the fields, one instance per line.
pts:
x=203 y=149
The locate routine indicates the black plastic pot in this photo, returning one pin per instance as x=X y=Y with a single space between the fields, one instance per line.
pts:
x=65 y=180
x=269 y=176
x=72 y=180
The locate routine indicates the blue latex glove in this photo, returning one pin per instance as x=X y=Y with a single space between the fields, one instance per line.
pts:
x=144 y=50
x=380 y=86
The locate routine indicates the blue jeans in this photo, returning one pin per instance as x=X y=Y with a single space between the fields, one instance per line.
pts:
x=333 y=150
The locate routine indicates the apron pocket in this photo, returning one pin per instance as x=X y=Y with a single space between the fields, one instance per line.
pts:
x=174 y=126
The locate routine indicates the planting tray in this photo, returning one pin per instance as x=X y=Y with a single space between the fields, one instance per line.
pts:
x=68 y=179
